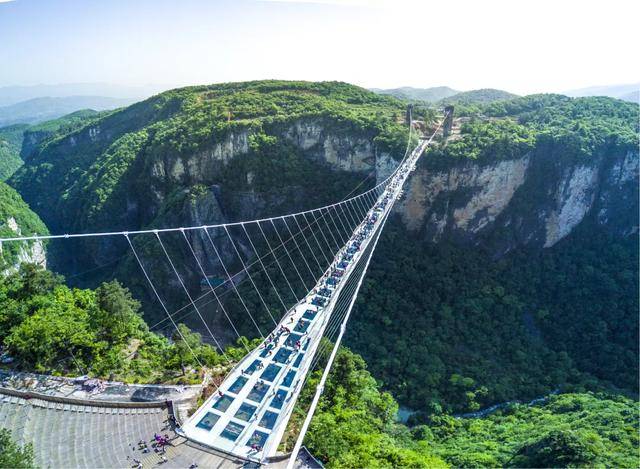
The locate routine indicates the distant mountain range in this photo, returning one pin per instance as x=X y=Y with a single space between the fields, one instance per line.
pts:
x=630 y=92
x=41 y=109
x=430 y=95
x=15 y=94
x=446 y=95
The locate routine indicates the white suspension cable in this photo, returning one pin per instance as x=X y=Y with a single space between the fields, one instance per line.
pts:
x=233 y=285
x=224 y=310
x=278 y=262
x=249 y=275
x=317 y=242
x=175 y=271
x=313 y=254
x=295 y=267
x=153 y=288
x=325 y=374
x=304 y=258
x=264 y=268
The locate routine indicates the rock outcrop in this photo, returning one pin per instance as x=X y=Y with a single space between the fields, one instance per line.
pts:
x=32 y=252
x=535 y=200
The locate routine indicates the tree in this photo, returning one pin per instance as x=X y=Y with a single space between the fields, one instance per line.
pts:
x=118 y=317
x=59 y=330
x=186 y=346
x=12 y=455
x=560 y=448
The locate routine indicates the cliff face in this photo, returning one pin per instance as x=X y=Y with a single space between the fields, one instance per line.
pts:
x=535 y=200
x=29 y=253
x=17 y=219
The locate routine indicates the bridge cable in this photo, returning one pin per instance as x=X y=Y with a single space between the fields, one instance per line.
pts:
x=173 y=267
x=126 y=235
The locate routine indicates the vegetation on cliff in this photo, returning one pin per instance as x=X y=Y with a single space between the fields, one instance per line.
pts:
x=12 y=454
x=91 y=169
x=477 y=97
x=10 y=145
x=354 y=426
x=474 y=331
x=573 y=128
x=46 y=326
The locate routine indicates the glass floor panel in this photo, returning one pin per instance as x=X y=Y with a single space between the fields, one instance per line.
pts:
x=258 y=392
x=208 y=421
x=282 y=356
x=302 y=326
x=268 y=419
x=289 y=378
x=271 y=371
x=278 y=399
x=251 y=368
x=292 y=339
x=232 y=432
x=258 y=438
x=309 y=314
x=238 y=384
x=296 y=364
x=223 y=403
x=245 y=412
x=266 y=350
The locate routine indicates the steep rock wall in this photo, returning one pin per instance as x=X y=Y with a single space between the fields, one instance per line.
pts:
x=28 y=252
x=535 y=200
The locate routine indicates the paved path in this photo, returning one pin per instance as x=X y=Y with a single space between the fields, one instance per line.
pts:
x=93 y=436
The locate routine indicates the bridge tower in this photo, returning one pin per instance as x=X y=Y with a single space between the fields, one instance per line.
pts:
x=409 y=114
x=448 y=121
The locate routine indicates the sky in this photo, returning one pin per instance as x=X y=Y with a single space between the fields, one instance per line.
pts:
x=521 y=46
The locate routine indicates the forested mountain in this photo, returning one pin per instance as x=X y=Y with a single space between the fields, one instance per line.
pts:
x=520 y=237
x=17 y=219
x=10 y=145
x=218 y=153
x=19 y=140
x=508 y=271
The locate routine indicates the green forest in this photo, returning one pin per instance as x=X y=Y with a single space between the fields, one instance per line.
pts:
x=48 y=327
x=479 y=331
x=355 y=426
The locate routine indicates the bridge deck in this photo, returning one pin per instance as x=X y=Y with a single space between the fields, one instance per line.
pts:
x=249 y=414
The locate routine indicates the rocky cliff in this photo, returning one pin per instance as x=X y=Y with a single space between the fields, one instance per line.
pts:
x=21 y=253
x=16 y=219
x=535 y=200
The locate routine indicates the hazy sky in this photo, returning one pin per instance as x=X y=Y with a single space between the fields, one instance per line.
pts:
x=522 y=46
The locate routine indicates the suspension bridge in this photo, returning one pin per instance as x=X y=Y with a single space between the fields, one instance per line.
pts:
x=304 y=270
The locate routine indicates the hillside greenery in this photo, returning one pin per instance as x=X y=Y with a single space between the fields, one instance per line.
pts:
x=354 y=426
x=48 y=327
x=428 y=95
x=577 y=128
x=10 y=145
x=477 y=97
x=478 y=331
